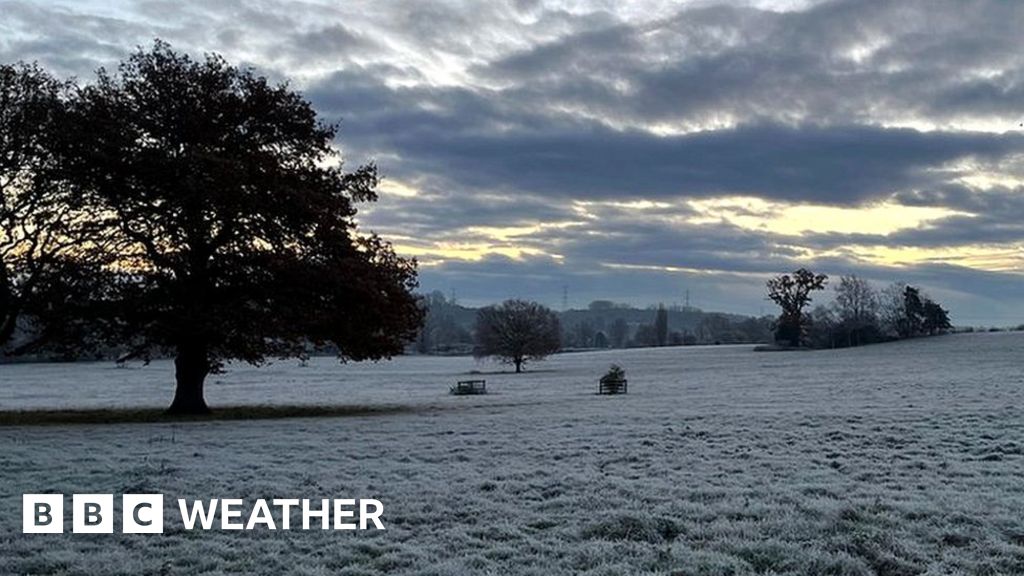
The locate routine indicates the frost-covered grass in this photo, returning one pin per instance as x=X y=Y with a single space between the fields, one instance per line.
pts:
x=894 y=459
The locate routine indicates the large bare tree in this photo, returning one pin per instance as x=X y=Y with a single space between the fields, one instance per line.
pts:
x=517 y=331
x=221 y=203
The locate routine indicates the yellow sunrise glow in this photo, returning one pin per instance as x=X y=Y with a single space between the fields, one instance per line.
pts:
x=798 y=219
x=686 y=269
x=440 y=252
x=989 y=180
x=508 y=233
x=992 y=258
x=390 y=187
x=788 y=223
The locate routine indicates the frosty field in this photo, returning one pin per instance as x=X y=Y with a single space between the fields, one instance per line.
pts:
x=897 y=459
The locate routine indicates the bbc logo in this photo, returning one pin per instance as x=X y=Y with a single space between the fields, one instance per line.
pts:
x=92 y=513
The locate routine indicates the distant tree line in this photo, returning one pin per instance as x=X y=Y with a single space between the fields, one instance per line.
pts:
x=449 y=327
x=669 y=326
x=607 y=325
x=859 y=313
x=516 y=331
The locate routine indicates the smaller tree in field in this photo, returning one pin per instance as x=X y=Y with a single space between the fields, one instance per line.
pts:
x=516 y=331
x=792 y=293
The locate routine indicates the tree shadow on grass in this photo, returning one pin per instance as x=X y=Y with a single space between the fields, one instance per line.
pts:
x=158 y=415
x=509 y=372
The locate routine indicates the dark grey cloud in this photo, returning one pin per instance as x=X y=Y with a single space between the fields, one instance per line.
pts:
x=838 y=61
x=445 y=215
x=833 y=165
x=330 y=41
x=68 y=42
x=466 y=134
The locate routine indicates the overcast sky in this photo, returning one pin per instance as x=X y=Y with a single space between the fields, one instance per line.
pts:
x=636 y=150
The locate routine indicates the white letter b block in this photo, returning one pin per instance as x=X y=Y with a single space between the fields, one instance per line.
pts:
x=42 y=513
x=142 y=513
x=92 y=513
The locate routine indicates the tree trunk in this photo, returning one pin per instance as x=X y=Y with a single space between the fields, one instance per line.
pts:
x=190 y=369
x=519 y=365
